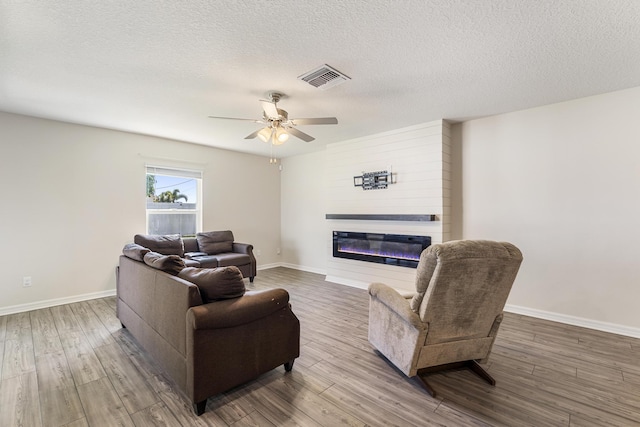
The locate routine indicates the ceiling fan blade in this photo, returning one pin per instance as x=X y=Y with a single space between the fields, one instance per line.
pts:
x=235 y=118
x=270 y=109
x=253 y=134
x=303 y=136
x=316 y=121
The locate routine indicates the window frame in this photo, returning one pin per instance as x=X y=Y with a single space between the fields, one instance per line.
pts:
x=178 y=172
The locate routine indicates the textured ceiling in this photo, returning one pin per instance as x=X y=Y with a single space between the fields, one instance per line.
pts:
x=161 y=67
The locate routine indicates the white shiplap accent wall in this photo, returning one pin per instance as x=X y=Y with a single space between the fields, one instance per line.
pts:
x=419 y=159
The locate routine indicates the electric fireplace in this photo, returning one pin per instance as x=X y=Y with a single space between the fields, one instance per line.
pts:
x=393 y=249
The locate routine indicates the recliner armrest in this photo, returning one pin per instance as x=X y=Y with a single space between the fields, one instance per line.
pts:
x=252 y=306
x=396 y=303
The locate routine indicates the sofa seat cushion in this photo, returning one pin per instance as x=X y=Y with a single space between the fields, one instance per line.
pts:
x=191 y=262
x=215 y=283
x=189 y=255
x=207 y=261
x=232 y=258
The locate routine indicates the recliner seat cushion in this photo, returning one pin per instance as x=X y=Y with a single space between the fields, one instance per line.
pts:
x=169 y=244
x=215 y=242
x=215 y=283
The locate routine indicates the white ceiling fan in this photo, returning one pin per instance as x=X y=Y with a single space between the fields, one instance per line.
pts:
x=278 y=125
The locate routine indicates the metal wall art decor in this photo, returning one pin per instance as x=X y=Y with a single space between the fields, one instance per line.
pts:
x=374 y=180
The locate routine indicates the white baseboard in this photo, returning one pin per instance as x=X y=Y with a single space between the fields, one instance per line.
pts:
x=333 y=279
x=575 y=321
x=540 y=314
x=303 y=268
x=292 y=266
x=268 y=266
x=20 y=308
x=347 y=282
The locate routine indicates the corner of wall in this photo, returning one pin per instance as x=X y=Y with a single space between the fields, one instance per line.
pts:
x=455 y=182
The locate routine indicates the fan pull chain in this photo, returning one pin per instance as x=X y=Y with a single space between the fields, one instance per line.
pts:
x=272 y=160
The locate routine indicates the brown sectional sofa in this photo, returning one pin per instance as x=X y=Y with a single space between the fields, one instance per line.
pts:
x=207 y=250
x=205 y=347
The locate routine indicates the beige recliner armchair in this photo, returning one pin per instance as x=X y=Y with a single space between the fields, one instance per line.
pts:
x=452 y=320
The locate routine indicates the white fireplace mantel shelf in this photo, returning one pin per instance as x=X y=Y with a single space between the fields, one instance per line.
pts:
x=383 y=217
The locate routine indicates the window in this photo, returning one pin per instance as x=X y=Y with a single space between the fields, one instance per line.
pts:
x=174 y=201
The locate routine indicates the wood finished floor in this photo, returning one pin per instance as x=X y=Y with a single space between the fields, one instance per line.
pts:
x=73 y=365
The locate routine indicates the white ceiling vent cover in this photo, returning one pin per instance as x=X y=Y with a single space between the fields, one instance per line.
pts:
x=324 y=77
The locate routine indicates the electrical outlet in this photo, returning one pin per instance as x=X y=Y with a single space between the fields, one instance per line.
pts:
x=278 y=251
x=258 y=252
x=26 y=281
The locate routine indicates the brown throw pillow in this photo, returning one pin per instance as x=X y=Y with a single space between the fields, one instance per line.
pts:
x=170 y=263
x=215 y=283
x=135 y=251
x=215 y=242
x=170 y=244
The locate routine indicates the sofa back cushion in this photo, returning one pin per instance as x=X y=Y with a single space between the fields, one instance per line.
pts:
x=215 y=283
x=215 y=242
x=169 y=244
x=190 y=244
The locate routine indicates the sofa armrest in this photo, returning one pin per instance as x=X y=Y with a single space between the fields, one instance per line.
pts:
x=243 y=248
x=395 y=302
x=252 y=306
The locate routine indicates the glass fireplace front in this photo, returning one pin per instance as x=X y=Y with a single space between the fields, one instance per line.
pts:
x=393 y=249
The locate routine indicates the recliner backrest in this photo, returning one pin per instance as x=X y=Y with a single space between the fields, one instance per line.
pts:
x=463 y=286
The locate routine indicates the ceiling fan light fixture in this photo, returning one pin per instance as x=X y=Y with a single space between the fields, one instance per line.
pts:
x=277 y=125
x=280 y=137
x=265 y=134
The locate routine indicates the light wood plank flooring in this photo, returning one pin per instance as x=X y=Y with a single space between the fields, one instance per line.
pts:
x=73 y=365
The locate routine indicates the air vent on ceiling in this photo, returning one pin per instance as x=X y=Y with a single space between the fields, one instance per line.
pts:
x=324 y=77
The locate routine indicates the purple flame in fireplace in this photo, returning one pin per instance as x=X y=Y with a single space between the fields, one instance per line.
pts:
x=386 y=250
x=393 y=249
